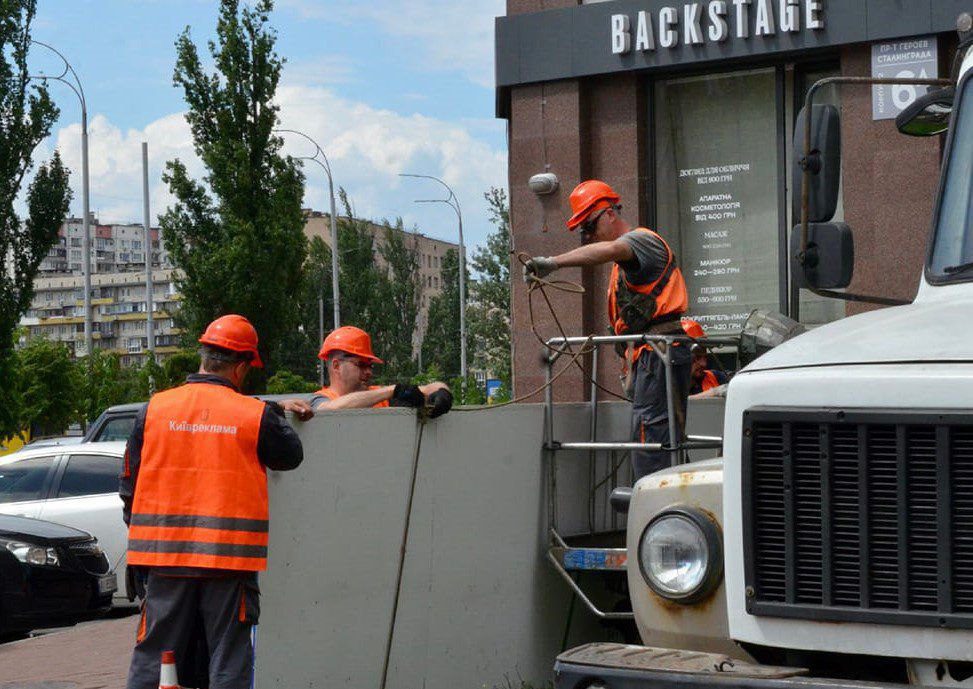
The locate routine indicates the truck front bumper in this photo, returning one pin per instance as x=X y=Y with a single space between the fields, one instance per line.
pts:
x=617 y=666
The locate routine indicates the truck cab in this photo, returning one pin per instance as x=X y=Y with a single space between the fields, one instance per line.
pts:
x=832 y=543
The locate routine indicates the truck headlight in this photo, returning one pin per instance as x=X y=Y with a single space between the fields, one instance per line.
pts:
x=681 y=554
x=31 y=554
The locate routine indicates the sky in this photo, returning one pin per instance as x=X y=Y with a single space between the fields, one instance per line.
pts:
x=384 y=86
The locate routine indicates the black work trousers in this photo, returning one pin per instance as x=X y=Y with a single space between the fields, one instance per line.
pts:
x=196 y=617
x=650 y=409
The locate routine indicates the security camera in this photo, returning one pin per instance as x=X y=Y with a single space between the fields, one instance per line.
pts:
x=544 y=183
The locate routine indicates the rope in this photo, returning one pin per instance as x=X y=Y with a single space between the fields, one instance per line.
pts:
x=402 y=549
x=538 y=284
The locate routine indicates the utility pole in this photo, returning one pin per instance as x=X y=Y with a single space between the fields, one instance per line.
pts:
x=149 y=325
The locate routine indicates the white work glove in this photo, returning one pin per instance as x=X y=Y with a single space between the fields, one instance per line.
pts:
x=539 y=267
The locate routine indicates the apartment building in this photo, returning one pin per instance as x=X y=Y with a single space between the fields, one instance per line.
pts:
x=114 y=248
x=431 y=253
x=118 y=306
x=118 y=300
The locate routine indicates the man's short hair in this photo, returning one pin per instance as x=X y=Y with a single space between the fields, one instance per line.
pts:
x=217 y=359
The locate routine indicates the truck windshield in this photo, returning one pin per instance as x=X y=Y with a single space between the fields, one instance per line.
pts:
x=951 y=258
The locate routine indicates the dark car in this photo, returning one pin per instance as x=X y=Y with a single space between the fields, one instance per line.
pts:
x=50 y=575
x=115 y=423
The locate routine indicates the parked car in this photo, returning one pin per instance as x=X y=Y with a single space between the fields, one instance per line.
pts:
x=74 y=485
x=53 y=440
x=115 y=423
x=50 y=575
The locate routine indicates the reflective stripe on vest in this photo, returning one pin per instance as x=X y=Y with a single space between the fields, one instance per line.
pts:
x=201 y=495
x=332 y=395
x=667 y=294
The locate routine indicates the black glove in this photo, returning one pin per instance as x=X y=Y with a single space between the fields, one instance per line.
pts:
x=440 y=402
x=406 y=395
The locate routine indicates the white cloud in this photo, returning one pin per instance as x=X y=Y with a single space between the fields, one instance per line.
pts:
x=444 y=34
x=367 y=148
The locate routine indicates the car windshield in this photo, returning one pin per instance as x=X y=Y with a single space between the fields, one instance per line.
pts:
x=952 y=252
x=116 y=429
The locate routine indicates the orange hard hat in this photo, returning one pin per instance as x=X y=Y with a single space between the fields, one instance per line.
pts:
x=692 y=328
x=589 y=197
x=349 y=339
x=235 y=333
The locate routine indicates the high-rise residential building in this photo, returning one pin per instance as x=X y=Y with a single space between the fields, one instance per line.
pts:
x=118 y=306
x=430 y=252
x=118 y=300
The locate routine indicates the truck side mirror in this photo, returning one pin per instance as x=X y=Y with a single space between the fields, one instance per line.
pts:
x=830 y=259
x=823 y=163
x=928 y=115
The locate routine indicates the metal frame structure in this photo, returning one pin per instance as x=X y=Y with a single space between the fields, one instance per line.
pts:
x=563 y=557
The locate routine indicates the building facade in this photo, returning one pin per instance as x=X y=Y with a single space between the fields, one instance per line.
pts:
x=687 y=109
x=119 y=322
x=430 y=252
x=118 y=306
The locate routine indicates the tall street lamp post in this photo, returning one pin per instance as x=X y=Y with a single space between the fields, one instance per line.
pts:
x=85 y=192
x=326 y=166
x=453 y=203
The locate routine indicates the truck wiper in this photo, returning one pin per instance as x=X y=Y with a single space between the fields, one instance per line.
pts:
x=960 y=268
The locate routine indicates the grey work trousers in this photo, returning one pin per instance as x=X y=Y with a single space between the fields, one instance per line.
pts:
x=177 y=611
x=650 y=409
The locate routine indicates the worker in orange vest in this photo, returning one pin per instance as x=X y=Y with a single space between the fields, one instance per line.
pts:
x=194 y=493
x=704 y=378
x=646 y=294
x=347 y=353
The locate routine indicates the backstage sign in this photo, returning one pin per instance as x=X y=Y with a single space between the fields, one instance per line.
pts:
x=915 y=58
x=715 y=21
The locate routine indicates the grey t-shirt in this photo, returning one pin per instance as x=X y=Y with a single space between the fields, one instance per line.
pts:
x=651 y=258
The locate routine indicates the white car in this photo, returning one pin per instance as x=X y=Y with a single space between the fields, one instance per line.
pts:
x=74 y=485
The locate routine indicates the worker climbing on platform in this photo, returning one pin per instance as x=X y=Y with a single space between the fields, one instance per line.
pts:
x=194 y=495
x=350 y=361
x=646 y=294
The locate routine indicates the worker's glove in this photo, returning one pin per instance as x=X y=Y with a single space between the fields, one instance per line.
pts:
x=406 y=395
x=439 y=403
x=538 y=267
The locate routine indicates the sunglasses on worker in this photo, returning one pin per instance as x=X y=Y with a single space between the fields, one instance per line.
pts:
x=363 y=364
x=588 y=227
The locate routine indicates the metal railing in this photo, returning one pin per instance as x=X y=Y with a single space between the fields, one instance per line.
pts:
x=562 y=557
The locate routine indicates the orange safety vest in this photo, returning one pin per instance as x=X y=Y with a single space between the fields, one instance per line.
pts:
x=332 y=395
x=709 y=381
x=201 y=495
x=636 y=308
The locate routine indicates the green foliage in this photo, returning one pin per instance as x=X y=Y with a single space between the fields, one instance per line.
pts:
x=488 y=313
x=178 y=366
x=27 y=114
x=105 y=383
x=49 y=385
x=297 y=350
x=399 y=294
x=237 y=235
x=441 y=345
x=284 y=382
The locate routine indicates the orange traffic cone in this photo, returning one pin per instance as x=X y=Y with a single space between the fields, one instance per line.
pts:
x=167 y=673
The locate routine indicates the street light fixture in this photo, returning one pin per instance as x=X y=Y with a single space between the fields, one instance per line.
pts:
x=453 y=203
x=326 y=165
x=85 y=191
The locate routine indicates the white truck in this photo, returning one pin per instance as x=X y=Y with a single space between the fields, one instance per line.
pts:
x=832 y=544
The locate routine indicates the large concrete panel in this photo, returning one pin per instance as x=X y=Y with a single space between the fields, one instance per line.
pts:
x=480 y=605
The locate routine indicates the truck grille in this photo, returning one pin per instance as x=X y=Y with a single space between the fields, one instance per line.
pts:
x=859 y=515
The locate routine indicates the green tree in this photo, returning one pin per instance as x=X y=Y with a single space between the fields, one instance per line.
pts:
x=284 y=382
x=488 y=314
x=237 y=236
x=298 y=348
x=178 y=366
x=50 y=386
x=104 y=382
x=441 y=344
x=27 y=114
x=399 y=293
